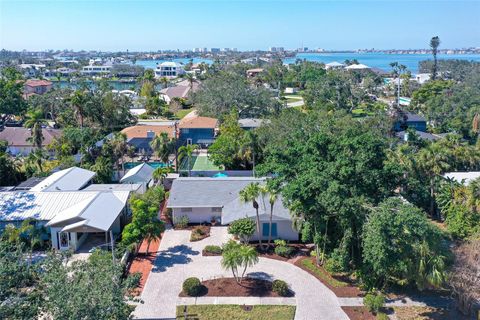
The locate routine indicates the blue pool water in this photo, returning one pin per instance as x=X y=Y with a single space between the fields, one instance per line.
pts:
x=380 y=60
x=154 y=165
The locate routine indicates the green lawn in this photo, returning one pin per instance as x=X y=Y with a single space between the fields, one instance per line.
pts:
x=236 y=312
x=183 y=112
x=199 y=163
x=310 y=265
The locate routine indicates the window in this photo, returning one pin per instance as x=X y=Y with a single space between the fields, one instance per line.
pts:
x=186 y=210
x=266 y=229
x=216 y=209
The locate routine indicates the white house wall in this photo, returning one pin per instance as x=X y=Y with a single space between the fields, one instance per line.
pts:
x=197 y=215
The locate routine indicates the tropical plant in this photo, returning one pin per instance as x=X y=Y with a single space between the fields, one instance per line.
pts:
x=250 y=194
x=243 y=229
x=374 y=302
x=235 y=256
x=187 y=152
x=162 y=146
x=35 y=121
x=280 y=287
x=272 y=198
x=192 y=286
x=160 y=173
x=434 y=44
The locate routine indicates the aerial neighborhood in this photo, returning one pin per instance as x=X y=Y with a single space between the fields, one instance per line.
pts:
x=228 y=184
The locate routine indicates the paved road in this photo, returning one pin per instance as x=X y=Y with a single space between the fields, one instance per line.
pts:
x=179 y=259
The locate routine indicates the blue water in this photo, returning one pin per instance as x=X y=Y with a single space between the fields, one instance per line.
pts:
x=152 y=64
x=154 y=165
x=379 y=60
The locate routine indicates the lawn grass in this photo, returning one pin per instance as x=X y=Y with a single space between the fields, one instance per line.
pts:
x=236 y=312
x=183 y=112
x=202 y=163
x=310 y=265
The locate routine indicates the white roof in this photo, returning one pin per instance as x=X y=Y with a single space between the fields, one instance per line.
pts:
x=463 y=177
x=334 y=64
x=113 y=187
x=70 y=179
x=141 y=173
x=98 y=212
x=169 y=64
x=237 y=209
x=357 y=67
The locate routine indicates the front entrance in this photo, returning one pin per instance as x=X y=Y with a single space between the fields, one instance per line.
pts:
x=64 y=242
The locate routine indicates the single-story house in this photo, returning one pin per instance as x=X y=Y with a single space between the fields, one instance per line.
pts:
x=403 y=135
x=204 y=199
x=250 y=123
x=197 y=130
x=73 y=210
x=18 y=139
x=141 y=174
x=182 y=90
x=334 y=65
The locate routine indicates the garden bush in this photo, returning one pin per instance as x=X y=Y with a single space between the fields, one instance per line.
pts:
x=181 y=222
x=382 y=316
x=199 y=233
x=213 y=249
x=280 y=287
x=284 y=251
x=243 y=229
x=192 y=286
x=133 y=280
x=374 y=302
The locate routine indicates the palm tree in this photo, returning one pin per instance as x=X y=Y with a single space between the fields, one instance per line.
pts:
x=35 y=121
x=162 y=146
x=160 y=173
x=164 y=81
x=78 y=102
x=187 y=151
x=191 y=80
x=250 y=194
x=434 y=44
x=272 y=198
x=153 y=231
x=434 y=161
x=236 y=255
x=120 y=148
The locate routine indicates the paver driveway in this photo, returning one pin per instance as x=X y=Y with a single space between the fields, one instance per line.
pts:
x=179 y=259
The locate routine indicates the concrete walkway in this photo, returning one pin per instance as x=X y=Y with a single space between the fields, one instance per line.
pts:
x=179 y=259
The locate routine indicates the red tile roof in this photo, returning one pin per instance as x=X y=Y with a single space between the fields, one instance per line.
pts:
x=37 y=83
x=198 y=123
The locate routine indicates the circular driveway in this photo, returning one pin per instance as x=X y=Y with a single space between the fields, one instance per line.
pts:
x=178 y=259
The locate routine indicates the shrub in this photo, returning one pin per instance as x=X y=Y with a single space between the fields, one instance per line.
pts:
x=192 y=286
x=243 y=229
x=181 y=222
x=199 y=233
x=280 y=287
x=374 y=302
x=213 y=249
x=133 y=280
x=284 y=251
x=382 y=316
x=280 y=242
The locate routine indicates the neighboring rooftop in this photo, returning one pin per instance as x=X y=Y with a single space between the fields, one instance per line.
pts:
x=463 y=177
x=113 y=187
x=421 y=134
x=29 y=183
x=197 y=122
x=142 y=172
x=206 y=192
x=70 y=179
x=19 y=136
x=37 y=83
x=142 y=131
x=250 y=123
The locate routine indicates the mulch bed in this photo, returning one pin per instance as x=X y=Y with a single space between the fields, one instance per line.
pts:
x=210 y=254
x=197 y=237
x=359 y=313
x=228 y=287
x=269 y=251
x=347 y=291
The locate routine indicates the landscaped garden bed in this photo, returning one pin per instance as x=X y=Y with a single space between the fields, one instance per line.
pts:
x=211 y=251
x=424 y=313
x=228 y=287
x=236 y=312
x=199 y=233
x=340 y=285
x=359 y=313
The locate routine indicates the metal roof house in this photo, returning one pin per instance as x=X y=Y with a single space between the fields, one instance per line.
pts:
x=74 y=210
x=464 y=178
x=204 y=199
x=141 y=174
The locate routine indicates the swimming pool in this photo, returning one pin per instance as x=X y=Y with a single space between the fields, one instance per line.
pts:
x=154 y=165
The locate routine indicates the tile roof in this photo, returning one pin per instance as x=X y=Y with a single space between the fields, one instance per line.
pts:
x=37 y=83
x=17 y=136
x=198 y=123
x=140 y=131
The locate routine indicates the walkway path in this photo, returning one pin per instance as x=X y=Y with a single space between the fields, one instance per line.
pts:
x=179 y=259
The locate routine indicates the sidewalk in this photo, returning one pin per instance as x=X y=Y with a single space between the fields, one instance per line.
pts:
x=250 y=301
x=400 y=302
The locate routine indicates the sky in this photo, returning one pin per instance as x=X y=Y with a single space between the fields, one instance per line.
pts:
x=111 y=25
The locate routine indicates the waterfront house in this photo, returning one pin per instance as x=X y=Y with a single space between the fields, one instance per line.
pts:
x=357 y=67
x=194 y=129
x=205 y=199
x=334 y=65
x=18 y=139
x=33 y=86
x=92 y=70
x=169 y=69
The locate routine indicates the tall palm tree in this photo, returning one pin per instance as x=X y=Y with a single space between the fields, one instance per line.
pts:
x=34 y=121
x=164 y=81
x=191 y=80
x=78 y=101
x=250 y=194
x=162 y=146
x=187 y=151
x=434 y=161
x=120 y=148
x=434 y=44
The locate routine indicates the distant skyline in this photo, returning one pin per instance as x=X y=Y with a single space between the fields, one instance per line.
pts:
x=109 y=25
